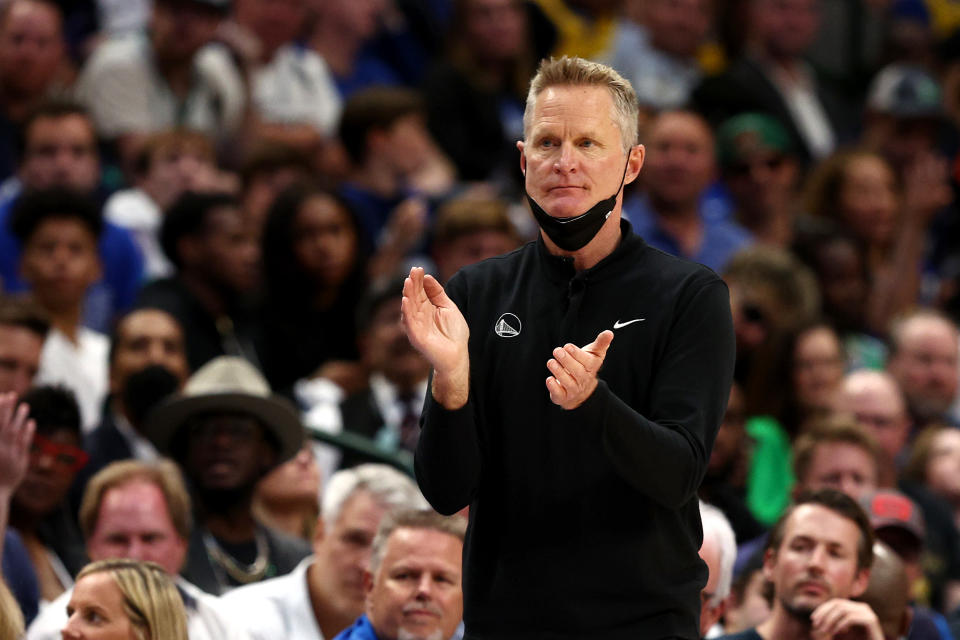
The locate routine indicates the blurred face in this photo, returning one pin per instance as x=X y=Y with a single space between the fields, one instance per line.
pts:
x=295 y=482
x=324 y=240
x=785 y=28
x=406 y=145
x=878 y=405
x=60 y=261
x=60 y=152
x=472 y=248
x=943 y=464
x=275 y=22
x=342 y=552
x=816 y=561
x=180 y=28
x=54 y=462
x=31 y=48
x=925 y=365
x=416 y=592
x=868 y=200
x=96 y=611
x=357 y=18
x=228 y=252
x=761 y=183
x=387 y=350
x=710 y=613
x=227 y=451
x=20 y=351
x=134 y=522
x=752 y=610
x=262 y=190
x=843 y=466
x=678 y=27
x=495 y=29
x=681 y=160
x=817 y=368
x=843 y=282
x=174 y=170
x=573 y=156
x=146 y=338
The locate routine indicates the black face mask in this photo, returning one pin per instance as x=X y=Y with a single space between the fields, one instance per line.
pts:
x=572 y=234
x=145 y=389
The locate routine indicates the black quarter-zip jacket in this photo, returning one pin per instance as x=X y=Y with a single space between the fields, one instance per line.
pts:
x=583 y=523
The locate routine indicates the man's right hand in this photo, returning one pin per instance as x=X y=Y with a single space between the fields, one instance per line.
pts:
x=437 y=329
x=16 y=434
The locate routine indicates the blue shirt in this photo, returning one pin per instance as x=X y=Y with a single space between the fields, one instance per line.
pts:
x=359 y=630
x=112 y=295
x=721 y=238
x=20 y=576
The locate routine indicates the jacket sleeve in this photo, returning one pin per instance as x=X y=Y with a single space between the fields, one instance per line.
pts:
x=447 y=459
x=664 y=454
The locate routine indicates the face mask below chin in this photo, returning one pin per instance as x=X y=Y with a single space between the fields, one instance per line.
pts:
x=572 y=234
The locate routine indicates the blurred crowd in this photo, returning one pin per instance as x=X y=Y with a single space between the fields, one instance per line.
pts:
x=203 y=197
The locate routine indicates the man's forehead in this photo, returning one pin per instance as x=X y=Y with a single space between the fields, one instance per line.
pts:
x=573 y=105
x=819 y=523
x=138 y=497
x=409 y=545
x=151 y=323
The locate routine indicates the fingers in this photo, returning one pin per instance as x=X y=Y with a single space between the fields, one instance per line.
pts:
x=575 y=370
x=839 y=615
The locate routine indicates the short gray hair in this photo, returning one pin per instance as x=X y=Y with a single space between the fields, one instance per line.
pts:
x=577 y=72
x=455 y=526
x=392 y=489
x=717 y=527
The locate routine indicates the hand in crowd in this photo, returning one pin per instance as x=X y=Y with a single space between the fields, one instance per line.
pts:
x=926 y=188
x=16 y=434
x=407 y=224
x=842 y=619
x=575 y=370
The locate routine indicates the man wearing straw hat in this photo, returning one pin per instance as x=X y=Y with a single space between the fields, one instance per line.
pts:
x=226 y=431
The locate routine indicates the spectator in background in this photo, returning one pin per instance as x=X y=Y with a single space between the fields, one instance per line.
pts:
x=816 y=371
x=287 y=498
x=342 y=31
x=837 y=453
x=59 y=230
x=314 y=264
x=270 y=168
x=888 y=593
x=772 y=77
x=413 y=585
x=141 y=511
x=169 y=164
x=23 y=330
x=875 y=400
x=923 y=359
x=475 y=93
x=760 y=168
x=469 y=230
x=858 y=190
x=227 y=431
x=679 y=167
x=718 y=551
x=384 y=133
x=751 y=597
x=39 y=510
x=60 y=151
x=325 y=593
x=659 y=55
x=147 y=363
x=292 y=90
x=140 y=84
x=935 y=463
x=32 y=51
x=212 y=245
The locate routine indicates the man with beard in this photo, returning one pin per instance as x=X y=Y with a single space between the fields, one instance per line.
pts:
x=818 y=558
x=226 y=431
x=147 y=362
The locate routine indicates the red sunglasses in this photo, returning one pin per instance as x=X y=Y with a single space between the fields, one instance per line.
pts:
x=66 y=456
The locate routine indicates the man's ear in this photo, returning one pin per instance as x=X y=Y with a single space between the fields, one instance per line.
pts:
x=367 y=582
x=860 y=582
x=769 y=562
x=523 y=158
x=635 y=158
x=319 y=533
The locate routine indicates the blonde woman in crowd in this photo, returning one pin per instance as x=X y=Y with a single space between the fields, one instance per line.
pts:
x=125 y=600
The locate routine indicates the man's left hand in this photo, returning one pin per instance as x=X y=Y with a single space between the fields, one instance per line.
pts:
x=575 y=370
x=844 y=619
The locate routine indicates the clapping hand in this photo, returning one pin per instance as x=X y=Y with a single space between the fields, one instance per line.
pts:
x=575 y=370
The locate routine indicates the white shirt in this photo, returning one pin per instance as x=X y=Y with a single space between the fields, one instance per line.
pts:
x=800 y=96
x=136 y=211
x=126 y=93
x=275 y=609
x=207 y=618
x=81 y=367
x=296 y=87
x=141 y=448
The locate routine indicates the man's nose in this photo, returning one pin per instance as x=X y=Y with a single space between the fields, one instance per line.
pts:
x=424 y=586
x=817 y=559
x=566 y=161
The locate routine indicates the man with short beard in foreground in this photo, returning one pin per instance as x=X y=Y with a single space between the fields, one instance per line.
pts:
x=818 y=558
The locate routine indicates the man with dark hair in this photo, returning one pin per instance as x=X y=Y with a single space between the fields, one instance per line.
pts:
x=216 y=254
x=58 y=230
x=270 y=168
x=839 y=454
x=227 y=430
x=413 y=584
x=23 y=329
x=818 y=558
x=469 y=230
x=60 y=151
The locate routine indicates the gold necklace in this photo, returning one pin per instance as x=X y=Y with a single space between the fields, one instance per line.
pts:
x=243 y=574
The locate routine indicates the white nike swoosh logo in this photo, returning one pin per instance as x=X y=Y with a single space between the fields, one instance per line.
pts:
x=618 y=324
